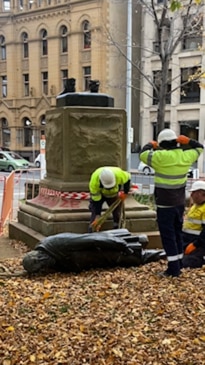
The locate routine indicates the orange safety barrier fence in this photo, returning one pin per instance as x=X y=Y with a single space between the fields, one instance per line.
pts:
x=7 y=200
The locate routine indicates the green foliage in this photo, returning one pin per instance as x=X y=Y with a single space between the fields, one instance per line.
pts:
x=175 y=5
x=146 y=199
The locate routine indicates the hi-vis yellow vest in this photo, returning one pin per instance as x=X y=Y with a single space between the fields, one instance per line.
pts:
x=171 y=166
x=96 y=191
x=194 y=219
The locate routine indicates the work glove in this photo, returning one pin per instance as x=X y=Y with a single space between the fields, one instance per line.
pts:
x=122 y=195
x=154 y=144
x=190 y=248
x=183 y=139
x=95 y=224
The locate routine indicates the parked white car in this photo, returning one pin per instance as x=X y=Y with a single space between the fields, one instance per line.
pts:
x=37 y=161
x=145 y=169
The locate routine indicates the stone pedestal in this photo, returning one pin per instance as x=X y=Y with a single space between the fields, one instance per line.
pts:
x=78 y=141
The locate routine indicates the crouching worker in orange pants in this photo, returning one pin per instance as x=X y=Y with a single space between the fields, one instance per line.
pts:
x=194 y=228
x=107 y=184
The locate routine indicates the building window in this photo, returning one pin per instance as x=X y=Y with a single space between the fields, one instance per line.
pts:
x=25 y=44
x=190 y=128
x=6 y=5
x=86 y=77
x=26 y=84
x=5 y=133
x=43 y=124
x=4 y=86
x=193 y=37
x=3 y=48
x=86 y=35
x=190 y=90
x=44 y=43
x=45 y=82
x=64 y=39
x=157 y=77
x=27 y=132
x=19 y=136
x=64 y=77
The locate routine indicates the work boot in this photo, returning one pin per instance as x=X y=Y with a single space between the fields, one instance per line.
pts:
x=166 y=274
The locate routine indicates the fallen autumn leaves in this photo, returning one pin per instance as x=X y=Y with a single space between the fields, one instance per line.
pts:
x=103 y=317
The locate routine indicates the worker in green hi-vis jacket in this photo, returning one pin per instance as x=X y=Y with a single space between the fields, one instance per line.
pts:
x=171 y=162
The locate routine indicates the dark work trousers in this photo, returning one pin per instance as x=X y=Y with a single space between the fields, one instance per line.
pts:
x=195 y=259
x=116 y=212
x=170 y=222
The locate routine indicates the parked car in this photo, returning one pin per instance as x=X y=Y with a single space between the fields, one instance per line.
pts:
x=147 y=170
x=37 y=161
x=10 y=161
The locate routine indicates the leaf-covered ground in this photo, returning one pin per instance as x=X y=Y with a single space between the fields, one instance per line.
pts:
x=103 y=317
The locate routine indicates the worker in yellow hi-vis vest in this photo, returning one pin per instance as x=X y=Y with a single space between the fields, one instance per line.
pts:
x=107 y=184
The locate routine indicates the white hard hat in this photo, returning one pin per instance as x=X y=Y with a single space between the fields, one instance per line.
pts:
x=107 y=178
x=198 y=185
x=166 y=135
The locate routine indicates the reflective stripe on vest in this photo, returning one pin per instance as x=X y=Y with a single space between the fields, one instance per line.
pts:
x=197 y=221
x=191 y=231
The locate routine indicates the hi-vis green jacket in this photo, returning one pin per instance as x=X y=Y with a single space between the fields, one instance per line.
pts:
x=171 y=167
x=97 y=190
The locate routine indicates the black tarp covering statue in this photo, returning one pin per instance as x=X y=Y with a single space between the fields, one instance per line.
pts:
x=73 y=252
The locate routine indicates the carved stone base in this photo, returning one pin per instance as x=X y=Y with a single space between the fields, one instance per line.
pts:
x=52 y=214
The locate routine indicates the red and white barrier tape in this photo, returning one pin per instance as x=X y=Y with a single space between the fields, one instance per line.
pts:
x=75 y=195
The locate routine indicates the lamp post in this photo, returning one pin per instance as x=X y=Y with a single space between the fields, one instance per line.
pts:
x=129 y=84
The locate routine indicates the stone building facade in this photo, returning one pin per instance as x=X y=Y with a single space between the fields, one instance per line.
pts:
x=185 y=106
x=42 y=43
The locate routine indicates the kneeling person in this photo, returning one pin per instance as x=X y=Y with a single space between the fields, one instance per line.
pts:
x=194 y=228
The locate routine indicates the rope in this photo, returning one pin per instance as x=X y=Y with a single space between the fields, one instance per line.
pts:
x=97 y=225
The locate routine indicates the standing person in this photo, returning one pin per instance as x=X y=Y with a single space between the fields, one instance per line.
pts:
x=194 y=228
x=171 y=164
x=106 y=185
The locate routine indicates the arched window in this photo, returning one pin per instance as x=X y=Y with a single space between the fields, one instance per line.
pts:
x=24 y=39
x=43 y=124
x=64 y=38
x=86 y=35
x=2 y=48
x=44 y=42
x=27 y=132
x=5 y=133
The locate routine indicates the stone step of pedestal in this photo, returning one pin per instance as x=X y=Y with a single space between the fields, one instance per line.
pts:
x=31 y=237
x=49 y=224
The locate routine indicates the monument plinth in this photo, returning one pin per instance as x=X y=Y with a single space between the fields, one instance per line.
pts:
x=79 y=139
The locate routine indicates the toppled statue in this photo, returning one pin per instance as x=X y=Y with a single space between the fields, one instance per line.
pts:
x=72 y=252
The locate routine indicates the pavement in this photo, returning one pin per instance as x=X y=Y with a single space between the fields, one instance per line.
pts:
x=7 y=250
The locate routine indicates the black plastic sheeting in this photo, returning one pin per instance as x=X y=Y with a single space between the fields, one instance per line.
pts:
x=72 y=252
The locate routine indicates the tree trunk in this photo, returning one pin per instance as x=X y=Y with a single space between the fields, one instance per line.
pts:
x=162 y=96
